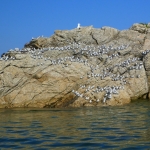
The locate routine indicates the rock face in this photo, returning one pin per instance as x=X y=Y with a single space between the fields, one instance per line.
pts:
x=142 y=28
x=80 y=67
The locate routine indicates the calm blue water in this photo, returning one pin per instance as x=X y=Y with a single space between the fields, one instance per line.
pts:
x=123 y=127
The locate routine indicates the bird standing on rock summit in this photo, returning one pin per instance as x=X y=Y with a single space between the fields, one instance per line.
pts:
x=78 y=27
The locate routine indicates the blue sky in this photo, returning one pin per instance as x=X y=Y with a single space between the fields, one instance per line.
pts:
x=20 y=20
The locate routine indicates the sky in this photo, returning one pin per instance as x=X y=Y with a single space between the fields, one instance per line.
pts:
x=20 y=20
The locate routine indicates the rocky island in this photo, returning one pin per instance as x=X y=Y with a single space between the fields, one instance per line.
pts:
x=84 y=66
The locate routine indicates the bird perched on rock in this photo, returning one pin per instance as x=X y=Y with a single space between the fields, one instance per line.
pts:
x=78 y=27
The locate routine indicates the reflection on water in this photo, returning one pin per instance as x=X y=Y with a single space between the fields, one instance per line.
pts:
x=120 y=127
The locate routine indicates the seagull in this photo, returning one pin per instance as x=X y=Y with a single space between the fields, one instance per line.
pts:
x=78 y=27
x=104 y=100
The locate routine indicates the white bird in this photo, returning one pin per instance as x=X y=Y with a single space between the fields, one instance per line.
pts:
x=78 y=27
x=86 y=98
x=104 y=100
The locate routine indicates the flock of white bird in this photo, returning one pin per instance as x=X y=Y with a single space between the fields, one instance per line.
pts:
x=82 y=53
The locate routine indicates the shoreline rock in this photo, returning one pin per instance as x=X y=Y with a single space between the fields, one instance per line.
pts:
x=76 y=68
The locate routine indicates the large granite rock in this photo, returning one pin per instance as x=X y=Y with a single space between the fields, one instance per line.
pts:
x=80 y=67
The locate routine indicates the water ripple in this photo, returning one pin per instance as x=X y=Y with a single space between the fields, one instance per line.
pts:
x=120 y=127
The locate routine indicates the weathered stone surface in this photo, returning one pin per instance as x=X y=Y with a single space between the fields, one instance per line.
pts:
x=76 y=68
x=87 y=35
x=140 y=27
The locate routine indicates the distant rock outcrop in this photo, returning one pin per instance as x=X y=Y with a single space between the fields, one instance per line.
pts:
x=79 y=67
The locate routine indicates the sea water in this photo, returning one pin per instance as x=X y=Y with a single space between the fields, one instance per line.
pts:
x=119 y=127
